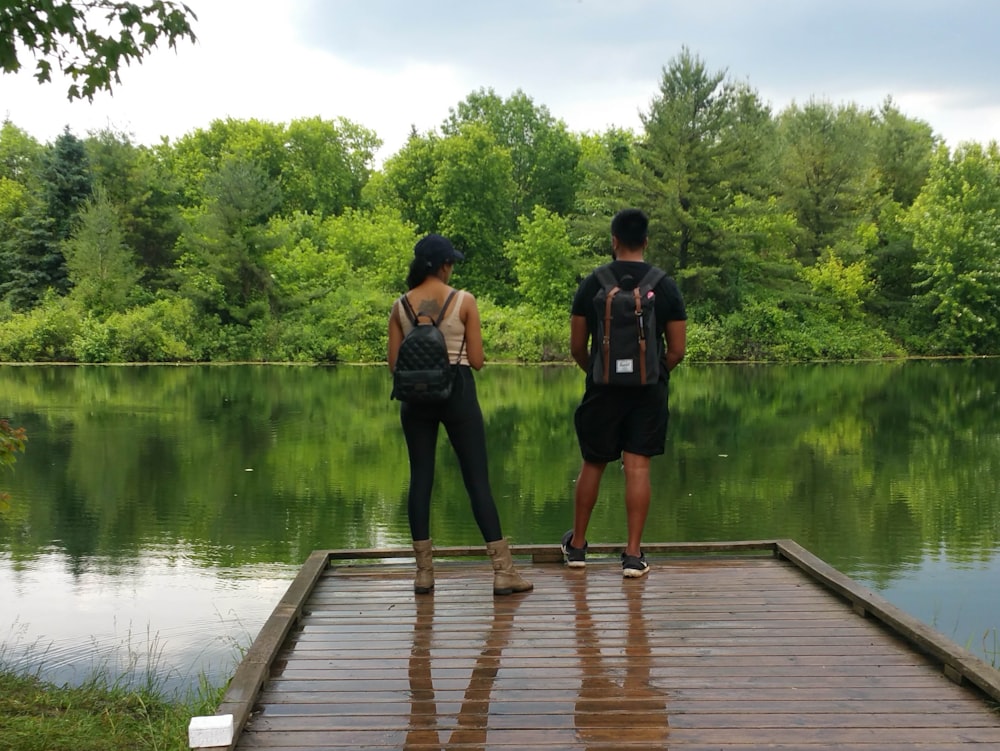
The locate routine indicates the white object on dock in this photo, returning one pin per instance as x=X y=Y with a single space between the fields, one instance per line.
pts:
x=210 y=732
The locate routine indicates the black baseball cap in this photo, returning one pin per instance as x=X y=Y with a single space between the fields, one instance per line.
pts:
x=436 y=250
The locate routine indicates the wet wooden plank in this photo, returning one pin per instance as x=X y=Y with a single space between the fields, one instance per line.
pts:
x=716 y=651
x=958 y=664
x=255 y=666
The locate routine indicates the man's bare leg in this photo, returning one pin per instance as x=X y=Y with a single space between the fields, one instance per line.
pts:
x=637 y=496
x=584 y=499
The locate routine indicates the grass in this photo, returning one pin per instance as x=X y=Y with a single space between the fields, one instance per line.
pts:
x=991 y=647
x=96 y=716
x=131 y=712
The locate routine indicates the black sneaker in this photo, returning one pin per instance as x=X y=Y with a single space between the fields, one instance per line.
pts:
x=575 y=557
x=634 y=566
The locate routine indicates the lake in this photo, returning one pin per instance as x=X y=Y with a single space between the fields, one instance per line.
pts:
x=160 y=512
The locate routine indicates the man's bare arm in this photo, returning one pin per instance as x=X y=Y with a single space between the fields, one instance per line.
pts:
x=579 y=339
x=676 y=337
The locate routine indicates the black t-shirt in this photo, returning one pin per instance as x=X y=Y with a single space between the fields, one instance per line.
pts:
x=669 y=305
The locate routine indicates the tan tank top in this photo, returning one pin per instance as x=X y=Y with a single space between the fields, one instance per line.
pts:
x=452 y=327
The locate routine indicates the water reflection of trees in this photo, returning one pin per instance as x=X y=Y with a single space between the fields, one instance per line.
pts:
x=873 y=462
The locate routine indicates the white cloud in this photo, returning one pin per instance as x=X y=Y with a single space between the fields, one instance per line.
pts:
x=593 y=64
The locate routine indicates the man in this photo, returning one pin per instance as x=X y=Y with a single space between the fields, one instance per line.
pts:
x=622 y=421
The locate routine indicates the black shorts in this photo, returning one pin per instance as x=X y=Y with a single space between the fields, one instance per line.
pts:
x=613 y=419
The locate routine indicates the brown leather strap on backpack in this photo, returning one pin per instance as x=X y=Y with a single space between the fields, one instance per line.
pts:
x=642 y=335
x=606 y=343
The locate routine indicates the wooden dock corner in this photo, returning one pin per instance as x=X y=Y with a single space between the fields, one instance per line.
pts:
x=728 y=645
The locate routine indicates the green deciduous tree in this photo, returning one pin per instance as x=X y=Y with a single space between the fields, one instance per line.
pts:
x=13 y=199
x=546 y=265
x=320 y=165
x=19 y=154
x=544 y=155
x=844 y=288
x=956 y=231
x=198 y=155
x=326 y=165
x=299 y=261
x=473 y=189
x=334 y=280
x=760 y=264
x=460 y=186
x=88 y=41
x=377 y=245
x=405 y=183
x=13 y=203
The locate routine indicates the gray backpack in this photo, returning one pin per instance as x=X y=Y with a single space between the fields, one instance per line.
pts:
x=624 y=349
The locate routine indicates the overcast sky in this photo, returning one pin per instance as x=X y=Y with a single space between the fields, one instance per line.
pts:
x=392 y=64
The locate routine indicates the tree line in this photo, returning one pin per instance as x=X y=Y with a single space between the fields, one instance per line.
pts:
x=820 y=231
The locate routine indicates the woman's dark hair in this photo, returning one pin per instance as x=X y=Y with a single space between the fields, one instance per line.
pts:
x=420 y=269
x=429 y=254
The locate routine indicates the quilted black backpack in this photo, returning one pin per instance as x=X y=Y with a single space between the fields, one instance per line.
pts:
x=423 y=372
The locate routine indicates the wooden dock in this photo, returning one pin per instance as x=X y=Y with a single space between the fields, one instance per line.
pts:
x=722 y=646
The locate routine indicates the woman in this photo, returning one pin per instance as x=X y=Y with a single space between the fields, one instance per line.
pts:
x=433 y=261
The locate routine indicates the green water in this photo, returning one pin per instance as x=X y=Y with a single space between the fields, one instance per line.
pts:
x=159 y=512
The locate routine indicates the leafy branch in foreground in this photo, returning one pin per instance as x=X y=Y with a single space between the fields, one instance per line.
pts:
x=64 y=32
x=12 y=440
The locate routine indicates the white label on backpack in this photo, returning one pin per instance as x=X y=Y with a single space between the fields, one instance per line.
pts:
x=624 y=366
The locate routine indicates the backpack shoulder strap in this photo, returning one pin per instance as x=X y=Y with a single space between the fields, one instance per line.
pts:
x=414 y=316
x=404 y=303
x=606 y=276
x=444 y=308
x=652 y=277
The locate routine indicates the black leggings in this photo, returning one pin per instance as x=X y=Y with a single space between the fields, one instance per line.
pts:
x=463 y=421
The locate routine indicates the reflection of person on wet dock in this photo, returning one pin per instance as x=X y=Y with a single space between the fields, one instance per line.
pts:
x=428 y=729
x=616 y=691
x=423 y=709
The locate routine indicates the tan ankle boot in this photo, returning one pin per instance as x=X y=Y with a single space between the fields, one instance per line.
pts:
x=423 y=582
x=505 y=579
